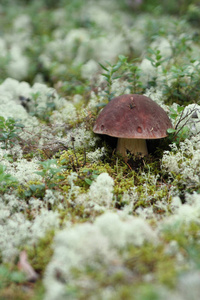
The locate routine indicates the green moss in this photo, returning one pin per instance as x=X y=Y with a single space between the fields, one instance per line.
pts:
x=72 y=160
x=187 y=237
x=141 y=179
x=126 y=280
x=139 y=291
x=15 y=292
x=38 y=291
x=182 y=233
x=150 y=259
x=11 y=281
x=40 y=255
x=147 y=292
x=20 y=290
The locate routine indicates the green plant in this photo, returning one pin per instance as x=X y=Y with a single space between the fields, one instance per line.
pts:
x=133 y=75
x=111 y=74
x=9 y=131
x=155 y=57
x=183 y=86
x=181 y=44
x=34 y=190
x=125 y=70
x=131 y=72
x=91 y=175
x=6 y=180
x=50 y=172
x=156 y=60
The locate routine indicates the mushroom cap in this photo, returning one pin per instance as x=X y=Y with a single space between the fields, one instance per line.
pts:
x=133 y=116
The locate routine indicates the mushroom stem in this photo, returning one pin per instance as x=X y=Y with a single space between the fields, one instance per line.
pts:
x=134 y=146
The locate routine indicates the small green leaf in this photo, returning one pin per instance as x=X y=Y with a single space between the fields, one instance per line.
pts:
x=180 y=109
x=33 y=187
x=184 y=130
x=103 y=67
x=151 y=51
x=88 y=181
x=117 y=66
x=60 y=177
x=17 y=277
x=171 y=130
x=173 y=116
x=149 y=58
x=116 y=77
x=172 y=110
x=122 y=58
x=40 y=173
x=106 y=75
x=158 y=57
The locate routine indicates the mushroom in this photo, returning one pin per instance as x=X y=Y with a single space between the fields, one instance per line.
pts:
x=133 y=119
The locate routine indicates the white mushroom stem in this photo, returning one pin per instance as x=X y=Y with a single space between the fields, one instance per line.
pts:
x=134 y=146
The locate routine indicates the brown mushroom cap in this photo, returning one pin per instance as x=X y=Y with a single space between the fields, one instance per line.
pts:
x=133 y=116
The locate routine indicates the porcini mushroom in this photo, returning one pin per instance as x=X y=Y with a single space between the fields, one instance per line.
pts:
x=132 y=119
